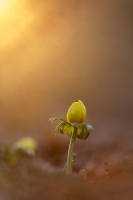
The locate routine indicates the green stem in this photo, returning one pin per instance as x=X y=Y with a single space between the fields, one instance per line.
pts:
x=70 y=152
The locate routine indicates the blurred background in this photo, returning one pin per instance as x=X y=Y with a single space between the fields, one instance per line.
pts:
x=53 y=53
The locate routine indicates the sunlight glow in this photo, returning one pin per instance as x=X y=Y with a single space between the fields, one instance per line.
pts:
x=4 y=4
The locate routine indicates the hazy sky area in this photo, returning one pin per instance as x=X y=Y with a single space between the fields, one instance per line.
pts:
x=55 y=52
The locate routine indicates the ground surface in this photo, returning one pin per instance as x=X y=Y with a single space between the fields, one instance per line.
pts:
x=36 y=178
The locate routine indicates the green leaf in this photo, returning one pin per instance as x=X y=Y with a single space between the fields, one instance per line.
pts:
x=65 y=121
x=57 y=129
x=63 y=127
x=79 y=130
x=84 y=133
x=67 y=125
x=70 y=130
x=53 y=119
x=60 y=127
x=89 y=128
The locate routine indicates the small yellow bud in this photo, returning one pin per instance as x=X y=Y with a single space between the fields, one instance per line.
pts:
x=26 y=143
x=76 y=113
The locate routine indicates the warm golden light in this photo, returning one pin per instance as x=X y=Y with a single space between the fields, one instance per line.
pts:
x=3 y=4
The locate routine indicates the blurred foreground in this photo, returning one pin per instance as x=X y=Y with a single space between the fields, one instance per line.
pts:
x=35 y=179
x=53 y=53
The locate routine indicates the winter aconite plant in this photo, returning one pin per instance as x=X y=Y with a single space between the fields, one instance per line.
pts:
x=75 y=127
x=24 y=148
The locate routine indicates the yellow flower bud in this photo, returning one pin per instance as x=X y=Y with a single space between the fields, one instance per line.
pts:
x=26 y=143
x=76 y=113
